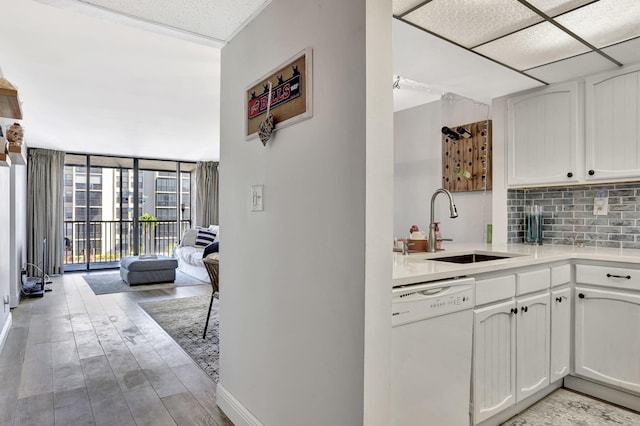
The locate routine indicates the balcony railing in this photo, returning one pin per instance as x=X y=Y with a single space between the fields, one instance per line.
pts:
x=111 y=240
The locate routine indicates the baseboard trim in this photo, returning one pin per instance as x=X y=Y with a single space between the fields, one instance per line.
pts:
x=234 y=409
x=603 y=392
x=5 y=331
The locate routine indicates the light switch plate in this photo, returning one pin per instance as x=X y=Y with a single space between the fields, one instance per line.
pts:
x=600 y=206
x=257 y=198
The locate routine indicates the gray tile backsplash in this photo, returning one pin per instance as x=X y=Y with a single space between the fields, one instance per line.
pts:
x=568 y=215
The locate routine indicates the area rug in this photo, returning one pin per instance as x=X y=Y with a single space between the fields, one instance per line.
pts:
x=566 y=408
x=110 y=282
x=183 y=319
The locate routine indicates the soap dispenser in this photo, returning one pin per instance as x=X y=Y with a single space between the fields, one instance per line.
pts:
x=438 y=236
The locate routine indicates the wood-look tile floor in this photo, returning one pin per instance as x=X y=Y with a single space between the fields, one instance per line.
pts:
x=74 y=358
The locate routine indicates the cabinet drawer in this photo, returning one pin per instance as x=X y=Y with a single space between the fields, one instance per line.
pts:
x=528 y=282
x=493 y=289
x=626 y=278
x=560 y=275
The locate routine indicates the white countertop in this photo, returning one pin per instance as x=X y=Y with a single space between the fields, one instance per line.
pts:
x=417 y=267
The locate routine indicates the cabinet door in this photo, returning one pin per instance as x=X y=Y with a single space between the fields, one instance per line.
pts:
x=613 y=117
x=533 y=344
x=607 y=334
x=494 y=357
x=544 y=136
x=560 y=333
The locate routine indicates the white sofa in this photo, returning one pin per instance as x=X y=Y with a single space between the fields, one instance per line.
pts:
x=189 y=252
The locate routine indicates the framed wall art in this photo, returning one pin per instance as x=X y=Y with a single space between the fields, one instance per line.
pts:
x=290 y=95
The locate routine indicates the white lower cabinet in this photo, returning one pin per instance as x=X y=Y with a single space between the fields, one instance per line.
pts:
x=607 y=337
x=494 y=359
x=511 y=353
x=560 y=333
x=533 y=344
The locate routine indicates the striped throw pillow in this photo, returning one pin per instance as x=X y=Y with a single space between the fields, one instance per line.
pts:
x=205 y=237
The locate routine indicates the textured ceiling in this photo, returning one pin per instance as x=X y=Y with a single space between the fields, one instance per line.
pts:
x=526 y=35
x=215 y=19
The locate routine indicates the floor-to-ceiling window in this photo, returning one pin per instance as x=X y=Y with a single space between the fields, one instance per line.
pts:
x=116 y=207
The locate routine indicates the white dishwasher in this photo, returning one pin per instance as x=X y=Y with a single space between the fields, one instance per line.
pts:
x=431 y=344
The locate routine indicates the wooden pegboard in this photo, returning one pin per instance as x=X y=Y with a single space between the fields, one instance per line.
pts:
x=472 y=156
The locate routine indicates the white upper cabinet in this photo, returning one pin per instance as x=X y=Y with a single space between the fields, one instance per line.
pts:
x=543 y=136
x=612 y=131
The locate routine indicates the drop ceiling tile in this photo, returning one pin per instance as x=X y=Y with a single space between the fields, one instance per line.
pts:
x=572 y=68
x=401 y=6
x=423 y=57
x=469 y=22
x=532 y=47
x=627 y=53
x=557 y=7
x=604 y=22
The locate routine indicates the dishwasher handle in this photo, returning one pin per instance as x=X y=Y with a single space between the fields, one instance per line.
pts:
x=433 y=291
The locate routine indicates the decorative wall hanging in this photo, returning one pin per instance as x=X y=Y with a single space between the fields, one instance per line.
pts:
x=290 y=96
x=466 y=157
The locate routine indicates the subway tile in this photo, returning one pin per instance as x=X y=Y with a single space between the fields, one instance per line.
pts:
x=563 y=201
x=622 y=207
x=621 y=222
x=608 y=230
x=611 y=244
x=584 y=200
x=621 y=192
x=573 y=194
x=580 y=228
x=631 y=185
x=551 y=234
x=594 y=236
x=635 y=245
x=630 y=230
x=564 y=215
x=621 y=237
x=573 y=221
x=630 y=215
x=551 y=195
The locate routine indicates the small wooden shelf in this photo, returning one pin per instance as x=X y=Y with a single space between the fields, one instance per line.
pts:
x=5 y=160
x=16 y=154
x=9 y=102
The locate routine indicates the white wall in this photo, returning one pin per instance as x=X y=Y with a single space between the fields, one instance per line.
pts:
x=500 y=214
x=295 y=277
x=417 y=165
x=418 y=168
x=5 y=231
x=18 y=229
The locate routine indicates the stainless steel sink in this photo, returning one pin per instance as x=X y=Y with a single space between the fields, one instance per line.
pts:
x=472 y=257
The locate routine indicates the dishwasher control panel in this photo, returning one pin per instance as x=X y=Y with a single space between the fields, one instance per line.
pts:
x=423 y=301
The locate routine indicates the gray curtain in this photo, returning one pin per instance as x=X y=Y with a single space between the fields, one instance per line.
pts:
x=207 y=193
x=45 y=208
